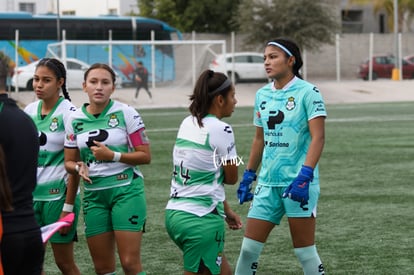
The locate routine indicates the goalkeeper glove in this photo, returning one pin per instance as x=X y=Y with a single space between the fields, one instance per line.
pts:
x=298 y=190
x=243 y=192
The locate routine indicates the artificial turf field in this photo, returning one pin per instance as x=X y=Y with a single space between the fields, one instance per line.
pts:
x=365 y=216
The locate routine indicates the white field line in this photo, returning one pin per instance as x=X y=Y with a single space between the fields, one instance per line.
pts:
x=329 y=120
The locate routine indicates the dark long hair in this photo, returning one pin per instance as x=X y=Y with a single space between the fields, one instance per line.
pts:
x=209 y=85
x=5 y=192
x=58 y=69
x=100 y=66
x=293 y=48
x=5 y=70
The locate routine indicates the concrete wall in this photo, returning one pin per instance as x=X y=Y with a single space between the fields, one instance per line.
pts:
x=352 y=50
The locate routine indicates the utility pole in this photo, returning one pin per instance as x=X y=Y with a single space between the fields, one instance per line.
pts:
x=396 y=70
x=58 y=20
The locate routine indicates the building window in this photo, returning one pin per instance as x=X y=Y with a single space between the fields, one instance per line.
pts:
x=112 y=11
x=69 y=12
x=352 y=21
x=28 y=7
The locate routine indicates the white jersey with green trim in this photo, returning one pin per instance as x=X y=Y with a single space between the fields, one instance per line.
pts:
x=112 y=127
x=51 y=173
x=199 y=156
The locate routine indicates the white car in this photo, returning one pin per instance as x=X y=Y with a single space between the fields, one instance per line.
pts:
x=248 y=66
x=75 y=69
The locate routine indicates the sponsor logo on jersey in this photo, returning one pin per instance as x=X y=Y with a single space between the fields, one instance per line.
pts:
x=70 y=137
x=228 y=130
x=276 y=144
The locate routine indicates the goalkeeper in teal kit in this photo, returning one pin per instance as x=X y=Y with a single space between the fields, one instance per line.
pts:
x=289 y=116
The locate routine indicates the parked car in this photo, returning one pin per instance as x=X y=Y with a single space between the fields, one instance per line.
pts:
x=409 y=58
x=382 y=66
x=75 y=69
x=248 y=66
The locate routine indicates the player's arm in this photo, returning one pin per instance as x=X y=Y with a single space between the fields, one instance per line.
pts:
x=230 y=173
x=256 y=150
x=244 y=191
x=140 y=155
x=317 y=132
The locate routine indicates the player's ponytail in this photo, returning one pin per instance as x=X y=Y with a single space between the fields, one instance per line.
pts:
x=209 y=85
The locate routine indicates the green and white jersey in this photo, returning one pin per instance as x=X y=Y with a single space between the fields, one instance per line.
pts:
x=284 y=115
x=112 y=127
x=51 y=173
x=198 y=157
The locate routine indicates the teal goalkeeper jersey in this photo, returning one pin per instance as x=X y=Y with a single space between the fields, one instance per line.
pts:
x=198 y=158
x=284 y=115
x=51 y=173
x=112 y=127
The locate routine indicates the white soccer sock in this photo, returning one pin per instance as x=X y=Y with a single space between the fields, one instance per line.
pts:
x=309 y=258
x=249 y=256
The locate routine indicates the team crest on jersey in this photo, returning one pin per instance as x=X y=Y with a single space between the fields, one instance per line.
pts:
x=219 y=259
x=54 y=124
x=290 y=104
x=113 y=121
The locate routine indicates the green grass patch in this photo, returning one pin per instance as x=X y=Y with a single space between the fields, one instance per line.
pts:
x=364 y=223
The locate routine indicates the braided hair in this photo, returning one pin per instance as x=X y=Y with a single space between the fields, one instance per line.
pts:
x=58 y=69
x=209 y=85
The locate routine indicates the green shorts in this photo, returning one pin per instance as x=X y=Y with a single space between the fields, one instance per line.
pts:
x=200 y=239
x=48 y=212
x=269 y=205
x=120 y=208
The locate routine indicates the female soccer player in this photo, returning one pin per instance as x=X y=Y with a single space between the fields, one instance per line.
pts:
x=22 y=250
x=110 y=138
x=5 y=196
x=56 y=193
x=289 y=115
x=204 y=159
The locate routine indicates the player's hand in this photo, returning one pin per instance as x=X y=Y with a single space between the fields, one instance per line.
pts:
x=233 y=220
x=244 y=191
x=298 y=190
x=101 y=152
x=65 y=229
x=84 y=171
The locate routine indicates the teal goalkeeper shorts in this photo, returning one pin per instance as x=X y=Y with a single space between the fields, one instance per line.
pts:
x=268 y=204
x=48 y=212
x=200 y=239
x=119 y=208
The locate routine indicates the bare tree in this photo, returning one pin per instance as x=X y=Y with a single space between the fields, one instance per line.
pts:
x=309 y=23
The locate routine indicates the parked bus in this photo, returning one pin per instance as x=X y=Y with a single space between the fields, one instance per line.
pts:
x=36 y=32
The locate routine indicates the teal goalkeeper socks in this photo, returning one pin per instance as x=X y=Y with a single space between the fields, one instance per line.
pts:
x=249 y=256
x=310 y=261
